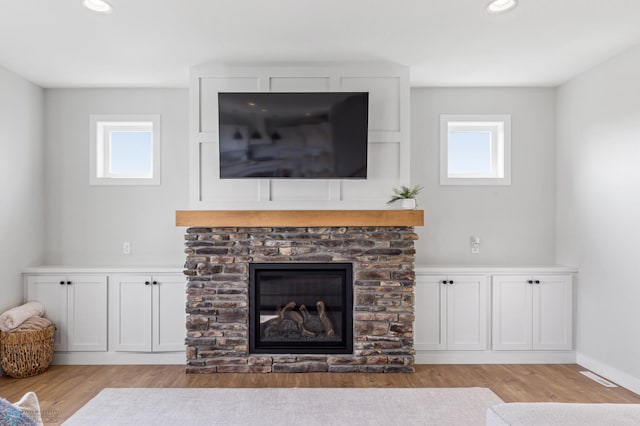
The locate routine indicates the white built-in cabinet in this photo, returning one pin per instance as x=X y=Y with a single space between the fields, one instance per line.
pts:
x=477 y=315
x=532 y=312
x=147 y=313
x=110 y=315
x=77 y=305
x=462 y=314
x=451 y=312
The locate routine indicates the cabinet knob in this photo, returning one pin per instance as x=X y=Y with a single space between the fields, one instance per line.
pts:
x=68 y=282
x=530 y=281
x=444 y=281
x=450 y=282
x=147 y=283
x=537 y=281
x=155 y=283
x=61 y=282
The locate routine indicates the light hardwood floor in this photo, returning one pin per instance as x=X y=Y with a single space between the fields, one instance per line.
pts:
x=64 y=389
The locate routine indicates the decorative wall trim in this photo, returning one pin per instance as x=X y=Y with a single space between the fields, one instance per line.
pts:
x=389 y=158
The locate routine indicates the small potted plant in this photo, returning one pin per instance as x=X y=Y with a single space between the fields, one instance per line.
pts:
x=407 y=195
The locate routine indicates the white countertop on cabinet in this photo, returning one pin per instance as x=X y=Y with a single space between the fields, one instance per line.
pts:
x=420 y=269
x=63 y=269
x=494 y=270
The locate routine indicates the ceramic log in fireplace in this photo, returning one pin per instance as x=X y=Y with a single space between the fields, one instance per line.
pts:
x=301 y=308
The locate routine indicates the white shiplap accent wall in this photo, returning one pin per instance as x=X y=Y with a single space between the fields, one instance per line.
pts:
x=389 y=145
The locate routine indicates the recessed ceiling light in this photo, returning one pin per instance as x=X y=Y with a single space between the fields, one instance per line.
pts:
x=99 y=6
x=499 y=6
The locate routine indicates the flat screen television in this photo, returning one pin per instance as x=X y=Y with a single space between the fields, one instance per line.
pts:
x=320 y=135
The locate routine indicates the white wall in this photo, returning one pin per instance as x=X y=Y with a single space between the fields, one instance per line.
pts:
x=598 y=211
x=516 y=223
x=86 y=225
x=21 y=183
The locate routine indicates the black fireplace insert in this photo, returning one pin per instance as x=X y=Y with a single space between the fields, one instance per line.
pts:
x=301 y=308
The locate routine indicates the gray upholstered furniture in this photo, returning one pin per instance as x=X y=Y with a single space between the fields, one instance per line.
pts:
x=560 y=414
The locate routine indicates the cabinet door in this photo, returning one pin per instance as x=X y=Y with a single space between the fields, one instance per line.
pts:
x=467 y=312
x=430 y=310
x=169 y=307
x=130 y=313
x=47 y=290
x=552 y=312
x=87 y=313
x=512 y=312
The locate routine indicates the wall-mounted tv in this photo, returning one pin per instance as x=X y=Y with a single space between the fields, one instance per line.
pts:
x=320 y=135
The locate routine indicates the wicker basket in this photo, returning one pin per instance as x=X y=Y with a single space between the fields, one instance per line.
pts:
x=26 y=353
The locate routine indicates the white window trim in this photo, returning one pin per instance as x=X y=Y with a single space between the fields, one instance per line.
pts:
x=502 y=145
x=99 y=157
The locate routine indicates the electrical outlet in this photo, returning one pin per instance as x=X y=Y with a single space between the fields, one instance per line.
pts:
x=475 y=245
x=126 y=248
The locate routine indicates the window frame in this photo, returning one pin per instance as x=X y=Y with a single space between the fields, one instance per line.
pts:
x=101 y=126
x=499 y=125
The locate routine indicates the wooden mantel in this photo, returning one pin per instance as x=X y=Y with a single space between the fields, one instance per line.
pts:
x=239 y=218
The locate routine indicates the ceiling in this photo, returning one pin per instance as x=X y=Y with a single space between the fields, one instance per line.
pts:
x=153 y=43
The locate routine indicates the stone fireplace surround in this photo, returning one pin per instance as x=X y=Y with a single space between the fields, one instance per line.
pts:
x=220 y=245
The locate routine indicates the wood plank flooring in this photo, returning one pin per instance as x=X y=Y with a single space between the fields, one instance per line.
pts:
x=64 y=389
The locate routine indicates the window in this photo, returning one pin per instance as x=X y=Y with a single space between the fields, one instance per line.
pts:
x=125 y=150
x=475 y=149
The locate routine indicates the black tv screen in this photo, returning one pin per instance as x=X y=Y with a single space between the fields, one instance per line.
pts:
x=321 y=135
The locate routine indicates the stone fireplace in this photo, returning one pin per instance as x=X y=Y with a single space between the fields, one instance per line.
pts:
x=222 y=260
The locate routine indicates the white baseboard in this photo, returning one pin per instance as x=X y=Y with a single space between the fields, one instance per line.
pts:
x=610 y=373
x=118 y=358
x=495 y=357
x=422 y=357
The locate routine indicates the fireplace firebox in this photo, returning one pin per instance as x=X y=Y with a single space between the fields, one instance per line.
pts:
x=301 y=308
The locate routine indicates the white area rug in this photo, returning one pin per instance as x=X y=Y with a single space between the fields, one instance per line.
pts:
x=287 y=406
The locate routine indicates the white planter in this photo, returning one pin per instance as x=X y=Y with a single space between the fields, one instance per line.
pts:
x=408 y=203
